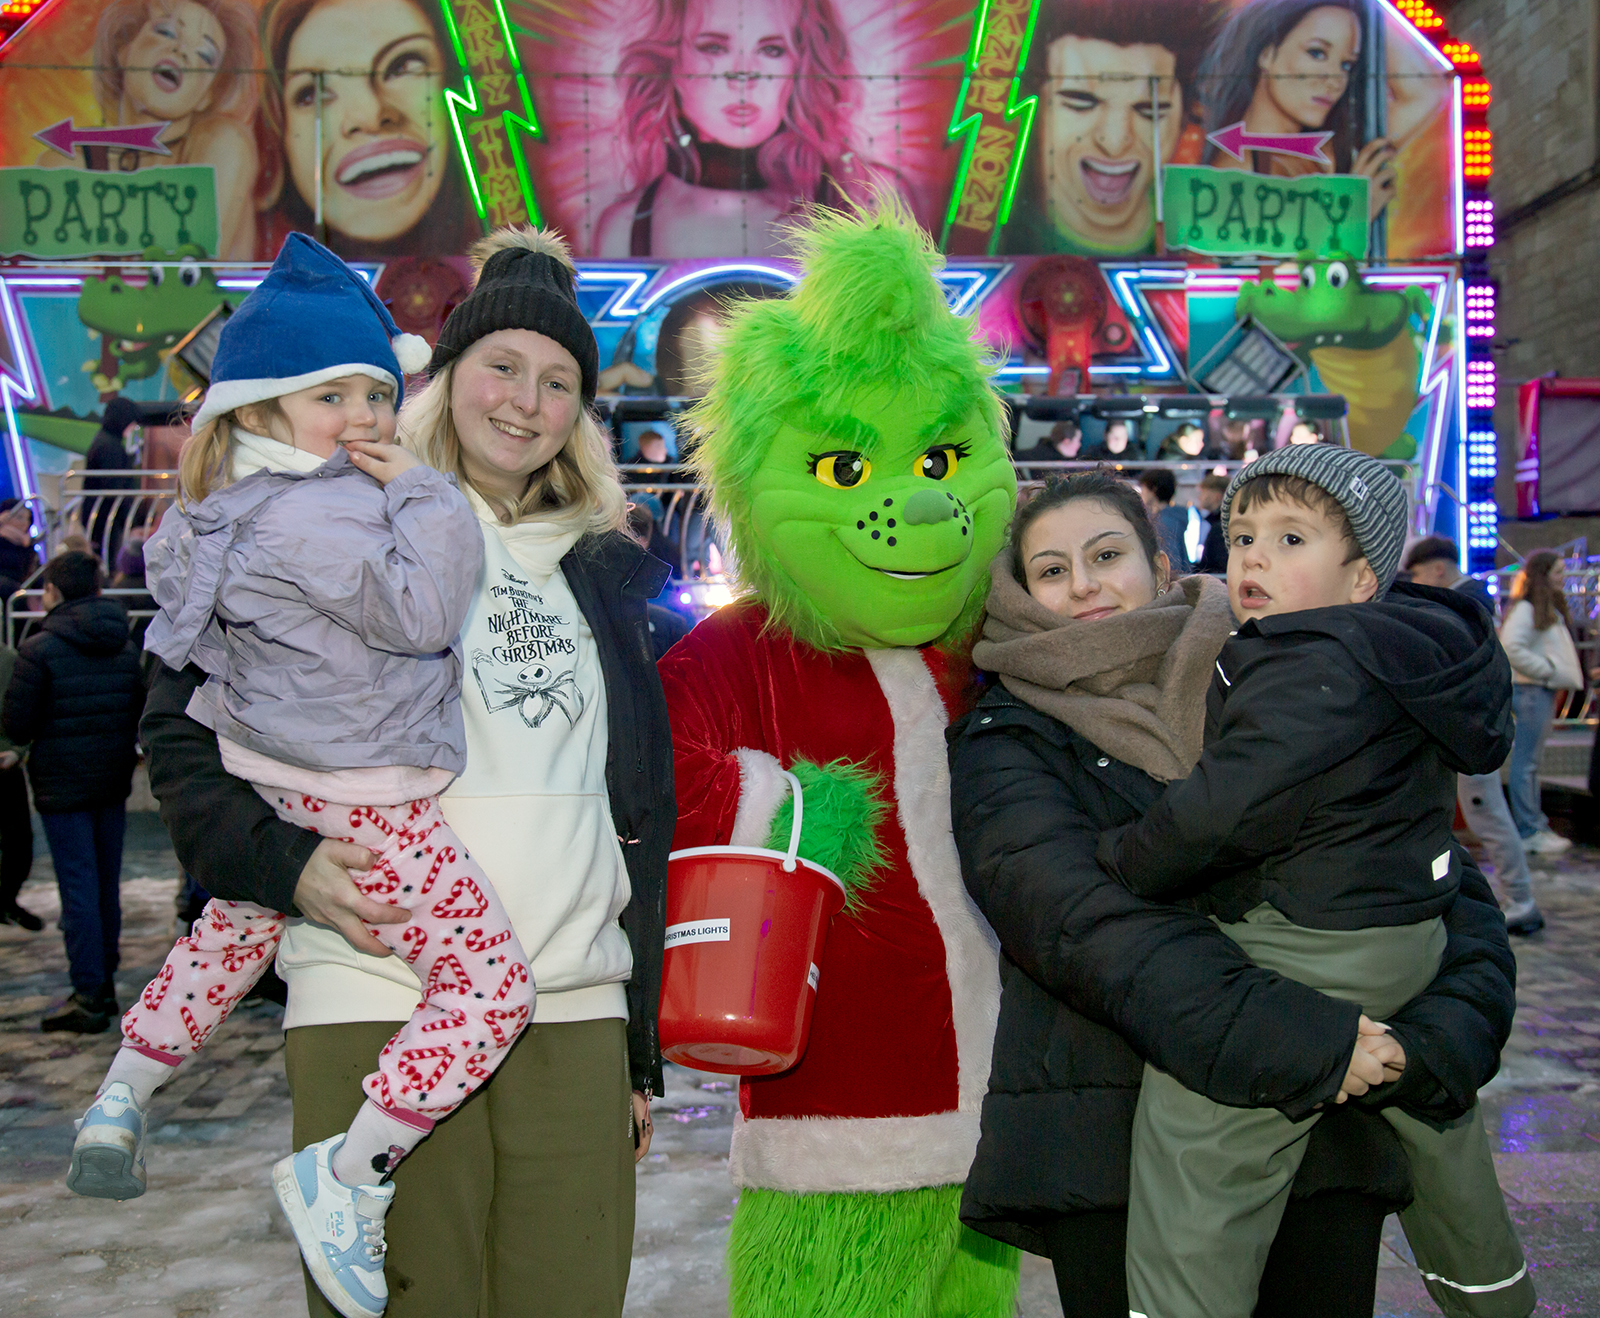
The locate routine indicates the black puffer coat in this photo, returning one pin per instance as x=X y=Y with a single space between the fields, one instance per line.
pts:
x=1328 y=783
x=1095 y=979
x=239 y=850
x=76 y=695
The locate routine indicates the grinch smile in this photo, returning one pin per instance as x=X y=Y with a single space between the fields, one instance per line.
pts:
x=911 y=576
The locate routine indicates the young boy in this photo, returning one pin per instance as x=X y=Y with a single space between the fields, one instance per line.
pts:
x=1316 y=830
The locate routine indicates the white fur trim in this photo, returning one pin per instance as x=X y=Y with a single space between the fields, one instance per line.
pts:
x=852 y=1154
x=412 y=352
x=225 y=395
x=922 y=793
x=762 y=791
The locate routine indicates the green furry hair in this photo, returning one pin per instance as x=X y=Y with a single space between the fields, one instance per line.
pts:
x=839 y=828
x=868 y=312
x=904 y=1254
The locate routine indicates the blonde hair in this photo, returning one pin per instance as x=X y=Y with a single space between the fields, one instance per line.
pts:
x=206 y=463
x=578 y=487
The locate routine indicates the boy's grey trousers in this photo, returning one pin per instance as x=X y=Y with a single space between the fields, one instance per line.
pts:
x=1209 y=1183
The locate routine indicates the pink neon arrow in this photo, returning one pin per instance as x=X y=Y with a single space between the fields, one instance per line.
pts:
x=1235 y=141
x=66 y=138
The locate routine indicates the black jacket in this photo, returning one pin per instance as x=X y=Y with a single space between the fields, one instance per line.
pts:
x=1095 y=979
x=1214 y=553
x=239 y=850
x=76 y=695
x=1328 y=783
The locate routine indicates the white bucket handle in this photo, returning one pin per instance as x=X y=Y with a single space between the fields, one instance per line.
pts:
x=794 y=829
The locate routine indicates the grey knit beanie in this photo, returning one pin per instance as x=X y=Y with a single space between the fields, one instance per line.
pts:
x=1371 y=495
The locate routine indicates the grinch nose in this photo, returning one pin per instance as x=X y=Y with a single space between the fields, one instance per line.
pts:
x=928 y=506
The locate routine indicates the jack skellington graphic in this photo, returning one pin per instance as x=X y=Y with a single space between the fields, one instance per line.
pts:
x=536 y=683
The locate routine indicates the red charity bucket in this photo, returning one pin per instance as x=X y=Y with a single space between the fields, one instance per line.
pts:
x=745 y=931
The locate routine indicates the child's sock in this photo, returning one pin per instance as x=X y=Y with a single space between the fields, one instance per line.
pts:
x=374 y=1145
x=141 y=1072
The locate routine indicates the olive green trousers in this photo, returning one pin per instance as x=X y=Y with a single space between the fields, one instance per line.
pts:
x=1209 y=1183
x=520 y=1203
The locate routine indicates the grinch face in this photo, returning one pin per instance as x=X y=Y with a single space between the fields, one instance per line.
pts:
x=886 y=514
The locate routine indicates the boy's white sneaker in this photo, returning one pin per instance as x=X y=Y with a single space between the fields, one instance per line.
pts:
x=1546 y=843
x=108 y=1155
x=338 y=1227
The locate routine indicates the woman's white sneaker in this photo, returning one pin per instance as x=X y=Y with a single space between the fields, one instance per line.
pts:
x=1546 y=843
x=338 y=1227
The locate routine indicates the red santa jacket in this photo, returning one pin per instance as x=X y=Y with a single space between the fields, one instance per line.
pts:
x=887 y=1095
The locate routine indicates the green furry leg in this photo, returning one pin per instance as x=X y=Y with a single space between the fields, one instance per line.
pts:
x=980 y=1281
x=898 y=1255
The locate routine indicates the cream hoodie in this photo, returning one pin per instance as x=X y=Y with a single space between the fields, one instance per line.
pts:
x=532 y=806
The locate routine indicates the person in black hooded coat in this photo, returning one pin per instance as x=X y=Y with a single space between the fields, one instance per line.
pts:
x=1096 y=980
x=76 y=695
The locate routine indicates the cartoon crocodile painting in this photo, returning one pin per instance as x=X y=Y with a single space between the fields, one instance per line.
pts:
x=1360 y=340
x=138 y=324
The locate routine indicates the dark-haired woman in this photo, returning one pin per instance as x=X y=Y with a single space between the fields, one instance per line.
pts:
x=1285 y=67
x=1544 y=661
x=1104 y=663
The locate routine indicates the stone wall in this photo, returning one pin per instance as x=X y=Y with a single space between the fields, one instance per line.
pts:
x=1540 y=57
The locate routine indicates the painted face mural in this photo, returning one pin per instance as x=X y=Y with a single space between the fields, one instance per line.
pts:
x=863 y=511
x=735 y=69
x=171 y=63
x=384 y=132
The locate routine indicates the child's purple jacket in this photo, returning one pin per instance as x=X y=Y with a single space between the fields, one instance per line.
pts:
x=325 y=609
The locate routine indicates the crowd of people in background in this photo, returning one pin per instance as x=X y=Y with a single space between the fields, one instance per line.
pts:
x=78 y=757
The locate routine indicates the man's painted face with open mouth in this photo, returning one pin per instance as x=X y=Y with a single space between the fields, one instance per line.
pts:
x=1099 y=131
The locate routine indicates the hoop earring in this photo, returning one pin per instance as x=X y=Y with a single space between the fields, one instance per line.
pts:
x=1166 y=586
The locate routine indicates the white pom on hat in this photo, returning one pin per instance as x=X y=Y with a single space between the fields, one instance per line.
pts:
x=412 y=352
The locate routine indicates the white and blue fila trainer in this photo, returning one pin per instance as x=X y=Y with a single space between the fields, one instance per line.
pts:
x=108 y=1154
x=338 y=1227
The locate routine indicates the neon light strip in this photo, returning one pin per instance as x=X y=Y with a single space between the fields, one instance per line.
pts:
x=971 y=126
x=1461 y=420
x=733 y=267
x=456 y=103
x=1458 y=169
x=630 y=282
x=21 y=466
x=1438 y=55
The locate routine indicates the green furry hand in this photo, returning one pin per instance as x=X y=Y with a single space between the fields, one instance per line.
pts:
x=839 y=828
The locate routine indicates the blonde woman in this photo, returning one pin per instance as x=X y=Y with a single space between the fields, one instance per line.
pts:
x=523 y=1198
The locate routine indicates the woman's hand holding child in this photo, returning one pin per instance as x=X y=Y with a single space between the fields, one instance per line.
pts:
x=327 y=895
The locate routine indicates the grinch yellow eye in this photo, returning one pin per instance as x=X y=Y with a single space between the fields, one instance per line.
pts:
x=843 y=471
x=939 y=463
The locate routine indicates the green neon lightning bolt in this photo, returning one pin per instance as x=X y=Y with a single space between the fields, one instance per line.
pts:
x=469 y=103
x=1019 y=110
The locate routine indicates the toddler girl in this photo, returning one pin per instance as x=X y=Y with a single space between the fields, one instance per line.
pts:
x=319 y=575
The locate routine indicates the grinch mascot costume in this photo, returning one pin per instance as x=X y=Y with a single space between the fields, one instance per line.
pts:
x=851 y=443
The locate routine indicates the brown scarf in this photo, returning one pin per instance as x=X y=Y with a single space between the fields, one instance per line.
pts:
x=1133 y=683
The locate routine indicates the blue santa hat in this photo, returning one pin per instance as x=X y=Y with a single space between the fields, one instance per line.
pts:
x=311 y=319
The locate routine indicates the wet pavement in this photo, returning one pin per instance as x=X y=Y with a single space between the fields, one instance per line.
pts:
x=207 y=1239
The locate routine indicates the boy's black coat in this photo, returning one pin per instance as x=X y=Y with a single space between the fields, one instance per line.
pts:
x=1089 y=969
x=1328 y=784
x=76 y=695
x=239 y=850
